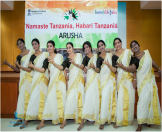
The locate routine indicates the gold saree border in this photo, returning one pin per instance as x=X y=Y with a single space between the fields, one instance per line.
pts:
x=125 y=73
x=54 y=81
x=76 y=82
x=24 y=58
x=90 y=81
x=41 y=78
x=124 y=123
x=79 y=107
x=157 y=119
x=26 y=76
x=41 y=105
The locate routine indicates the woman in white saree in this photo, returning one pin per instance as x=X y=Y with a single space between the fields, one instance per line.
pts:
x=91 y=104
x=75 y=93
x=148 y=108
x=56 y=95
x=126 y=93
x=108 y=86
x=38 y=86
x=21 y=63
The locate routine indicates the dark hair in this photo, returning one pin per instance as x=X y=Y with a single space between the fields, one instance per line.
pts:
x=134 y=42
x=53 y=43
x=87 y=43
x=35 y=39
x=98 y=43
x=115 y=40
x=70 y=44
x=20 y=39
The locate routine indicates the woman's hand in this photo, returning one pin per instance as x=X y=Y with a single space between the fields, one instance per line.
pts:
x=92 y=66
x=159 y=72
x=85 y=70
x=106 y=62
x=17 y=64
x=5 y=62
x=51 y=60
x=31 y=65
x=134 y=84
x=120 y=65
x=72 y=61
x=67 y=79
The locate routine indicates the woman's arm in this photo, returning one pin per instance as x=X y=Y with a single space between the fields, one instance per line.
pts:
x=113 y=69
x=56 y=65
x=28 y=69
x=42 y=70
x=11 y=66
x=36 y=68
x=131 y=68
x=85 y=70
x=154 y=65
x=66 y=77
x=25 y=69
x=94 y=68
x=77 y=65
x=134 y=80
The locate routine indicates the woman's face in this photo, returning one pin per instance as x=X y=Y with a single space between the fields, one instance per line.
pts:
x=69 y=48
x=50 y=48
x=87 y=49
x=118 y=44
x=101 y=47
x=35 y=45
x=135 y=47
x=20 y=45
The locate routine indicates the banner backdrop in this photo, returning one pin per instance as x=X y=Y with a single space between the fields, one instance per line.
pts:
x=74 y=21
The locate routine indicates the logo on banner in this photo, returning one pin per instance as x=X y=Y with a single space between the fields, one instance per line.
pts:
x=29 y=14
x=71 y=14
x=110 y=12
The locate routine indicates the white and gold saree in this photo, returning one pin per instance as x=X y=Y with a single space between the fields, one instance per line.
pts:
x=75 y=92
x=56 y=95
x=91 y=104
x=126 y=93
x=108 y=92
x=148 y=108
x=38 y=90
x=24 y=86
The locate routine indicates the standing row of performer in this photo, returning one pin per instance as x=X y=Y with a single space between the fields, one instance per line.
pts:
x=102 y=99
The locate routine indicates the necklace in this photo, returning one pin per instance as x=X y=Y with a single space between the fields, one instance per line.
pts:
x=121 y=51
x=38 y=53
x=90 y=55
x=138 y=54
x=52 y=55
x=24 y=52
x=72 y=56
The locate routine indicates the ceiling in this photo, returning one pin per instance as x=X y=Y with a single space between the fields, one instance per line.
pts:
x=8 y=5
x=150 y=4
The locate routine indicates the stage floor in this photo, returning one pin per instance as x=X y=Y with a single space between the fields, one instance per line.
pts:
x=7 y=125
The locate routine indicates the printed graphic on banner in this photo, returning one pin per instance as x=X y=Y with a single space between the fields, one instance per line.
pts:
x=74 y=21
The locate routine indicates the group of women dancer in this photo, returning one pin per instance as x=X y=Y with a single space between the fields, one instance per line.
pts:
x=109 y=92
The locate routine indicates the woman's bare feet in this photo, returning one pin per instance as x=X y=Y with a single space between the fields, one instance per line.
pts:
x=63 y=124
x=139 y=127
x=80 y=127
x=24 y=125
x=115 y=126
x=17 y=123
x=101 y=127
x=40 y=125
x=147 y=125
